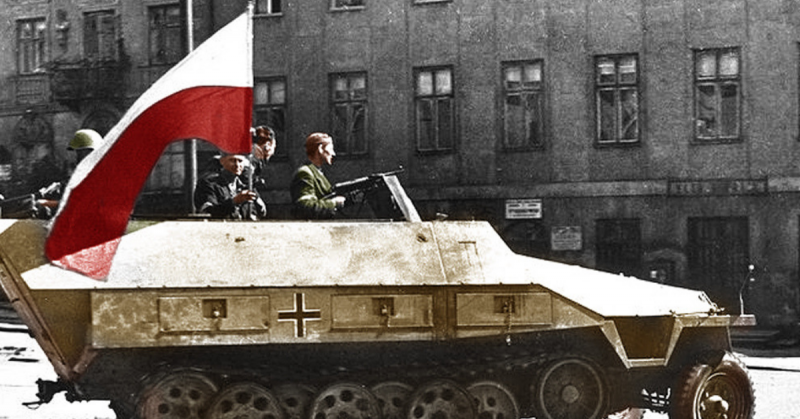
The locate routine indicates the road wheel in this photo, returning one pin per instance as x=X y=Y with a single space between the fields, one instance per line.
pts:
x=571 y=388
x=345 y=401
x=721 y=392
x=441 y=399
x=294 y=399
x=245 y=401
x=392 y=397
x=494 y=401
x=179 y=395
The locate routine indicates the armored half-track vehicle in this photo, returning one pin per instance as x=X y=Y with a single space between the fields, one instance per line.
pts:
x=400 y=319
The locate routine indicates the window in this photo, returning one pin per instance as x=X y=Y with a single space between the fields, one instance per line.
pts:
x=349 y=112
x=617 y=99
x=716 y=87
x=523 y=99
x=269 y=96
x=31 y=45
x=434 y=109
x=347 y=4
x=165 y=34
x=619 y=246
x=100 y=36
x=268 y=7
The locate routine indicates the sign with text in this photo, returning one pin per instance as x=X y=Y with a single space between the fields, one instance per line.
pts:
x=566 y=238
x=521 y=209
x=717 y=187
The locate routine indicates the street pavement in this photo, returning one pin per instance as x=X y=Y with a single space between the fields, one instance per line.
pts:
x=775 y=372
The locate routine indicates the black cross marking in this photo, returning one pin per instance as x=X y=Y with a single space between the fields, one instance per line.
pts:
x=299 y=315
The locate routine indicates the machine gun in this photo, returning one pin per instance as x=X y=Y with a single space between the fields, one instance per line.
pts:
x=383 y=193
x=350 y=189
x=25 y=206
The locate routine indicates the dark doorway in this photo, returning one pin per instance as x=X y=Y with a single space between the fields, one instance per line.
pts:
x=618 y=246
x=718 y=257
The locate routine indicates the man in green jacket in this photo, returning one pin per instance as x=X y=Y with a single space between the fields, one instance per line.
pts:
x=310 y=189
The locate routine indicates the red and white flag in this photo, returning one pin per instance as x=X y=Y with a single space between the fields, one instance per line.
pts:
x=208 y=95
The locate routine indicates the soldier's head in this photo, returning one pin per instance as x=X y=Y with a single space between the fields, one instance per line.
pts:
x=264 y=141
x=84 y=142
x=319 y=148
x=234 y=163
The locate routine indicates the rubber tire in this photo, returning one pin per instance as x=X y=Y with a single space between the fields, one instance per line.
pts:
x=693 y=381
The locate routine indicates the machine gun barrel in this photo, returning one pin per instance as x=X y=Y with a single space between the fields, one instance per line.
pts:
x=360 y=184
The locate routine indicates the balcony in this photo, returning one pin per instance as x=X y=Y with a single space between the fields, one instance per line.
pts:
x=74 y=82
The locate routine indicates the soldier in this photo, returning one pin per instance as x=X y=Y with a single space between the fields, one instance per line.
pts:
x=310 y=188
x=82 y=143
x=263 y=149
x=222 y=194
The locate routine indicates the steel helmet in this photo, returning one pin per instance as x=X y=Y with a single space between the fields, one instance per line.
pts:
x=85 y=139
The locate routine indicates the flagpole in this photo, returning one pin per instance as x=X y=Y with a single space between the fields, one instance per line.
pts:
x=193 y=142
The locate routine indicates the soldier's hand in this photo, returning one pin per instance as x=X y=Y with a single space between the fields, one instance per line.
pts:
x=339 y=201
x=244 y=196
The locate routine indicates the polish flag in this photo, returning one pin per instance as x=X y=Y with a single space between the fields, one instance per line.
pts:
x=208 y=95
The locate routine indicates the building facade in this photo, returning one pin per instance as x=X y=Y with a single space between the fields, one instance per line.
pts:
x=651 y=138
x=658 y=139
x=72 y=64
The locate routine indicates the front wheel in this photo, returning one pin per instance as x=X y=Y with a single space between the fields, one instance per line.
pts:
x=724 y=391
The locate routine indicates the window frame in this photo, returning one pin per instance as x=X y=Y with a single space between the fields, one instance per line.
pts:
x=345 y=144
x=617 y=87
x=270 y=8
x=163 y=30
x=269 y=107
x=718 y=82
x=31 y=51
x=336 y=6
x=100 y=54
x=539 y=90
x=435 y=99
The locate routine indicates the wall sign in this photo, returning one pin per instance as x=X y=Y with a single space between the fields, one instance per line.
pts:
x=521 y=209
x=566 y=238
x=717 y=187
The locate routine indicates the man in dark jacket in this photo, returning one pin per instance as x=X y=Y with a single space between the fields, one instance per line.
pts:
x=310 y=189
x=223 y=195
